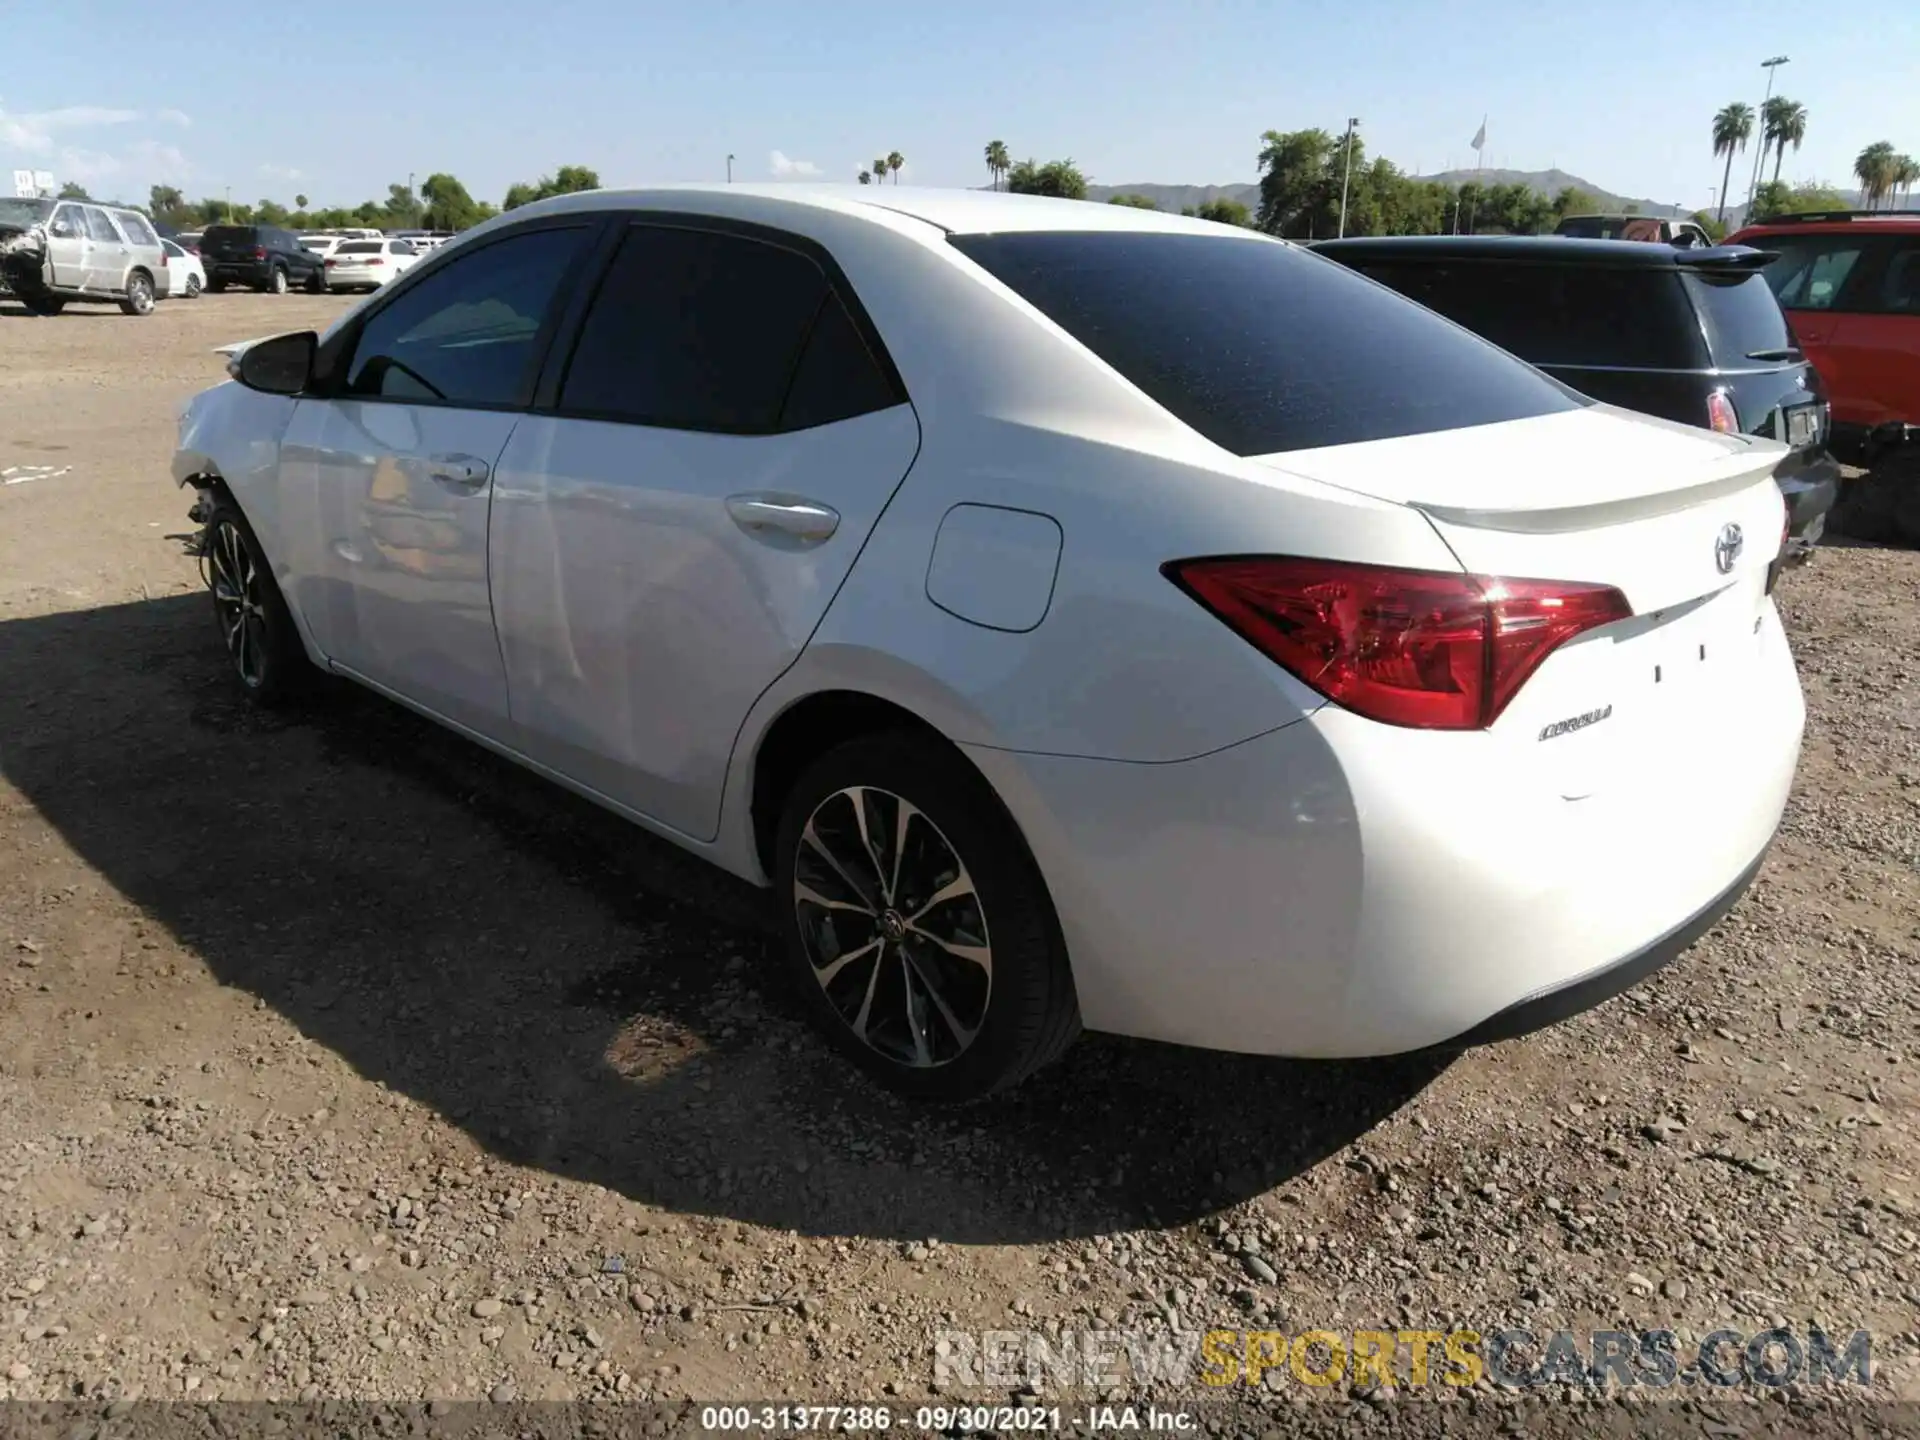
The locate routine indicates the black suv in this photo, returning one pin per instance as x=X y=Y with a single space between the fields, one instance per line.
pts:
x=1692 y=335
x=262 y=256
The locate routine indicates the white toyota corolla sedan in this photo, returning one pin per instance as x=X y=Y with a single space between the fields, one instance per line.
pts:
x=1076 y=614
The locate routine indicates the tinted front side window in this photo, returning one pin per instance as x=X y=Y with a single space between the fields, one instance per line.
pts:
x=466 y=335
x=694 y=330
x=1259 y=346
x=1743 y=319
x=1899 y=289
x=1570 y=315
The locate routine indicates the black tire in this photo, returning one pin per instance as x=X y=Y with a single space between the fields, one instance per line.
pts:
x=216 y=286
x=43 y=305
x=317 y=283
x=139 y=297
x=193 y=287
x=263 y=647
x=991 y=1030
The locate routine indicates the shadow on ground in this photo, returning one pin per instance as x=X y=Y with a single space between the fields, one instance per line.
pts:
x=575 y=994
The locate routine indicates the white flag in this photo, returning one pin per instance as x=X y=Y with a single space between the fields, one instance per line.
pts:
x=1480 y=137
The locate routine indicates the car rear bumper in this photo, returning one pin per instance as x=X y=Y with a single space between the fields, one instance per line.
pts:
x=247 y=272
x=1341 y=888
x=1810 y=481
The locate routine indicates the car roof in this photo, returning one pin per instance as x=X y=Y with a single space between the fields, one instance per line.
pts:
x=958 y=212
x=1538 y=250
x=1899 y=222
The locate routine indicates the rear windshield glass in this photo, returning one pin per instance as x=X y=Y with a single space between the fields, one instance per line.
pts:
x=1262 y=347
x=230 y=235
x=360 y=247
x=1743 y=319
x=1624 y=317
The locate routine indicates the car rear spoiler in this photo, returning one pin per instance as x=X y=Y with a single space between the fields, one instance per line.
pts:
x=1725 y=257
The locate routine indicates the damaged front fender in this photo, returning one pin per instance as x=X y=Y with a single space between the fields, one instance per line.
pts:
x=23 y=259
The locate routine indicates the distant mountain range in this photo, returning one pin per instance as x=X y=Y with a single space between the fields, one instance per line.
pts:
x=1547 y=182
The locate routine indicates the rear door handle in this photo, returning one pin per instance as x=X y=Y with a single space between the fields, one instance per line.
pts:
x=783 y=519
x=458 y=472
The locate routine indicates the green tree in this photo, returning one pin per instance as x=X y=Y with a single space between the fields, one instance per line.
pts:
x=73 y=190
x=1875 y=168
x=1716 y=229
x=1573 y=201
x=1059 y=178
x=270 y=212
x=895 y=163
x=998 y=162
x=1774 y=198
x=299 y=202
x=866 y=177
x=567 y=180
x=1732 y=125
x=1781 y=120
x=449 y=206
x=1906 y=174
x=880 y=170
x=1293 y=181
x=1223 y=211
x=1137 y=202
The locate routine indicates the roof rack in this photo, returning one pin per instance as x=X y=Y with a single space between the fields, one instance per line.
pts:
x=1808 y=216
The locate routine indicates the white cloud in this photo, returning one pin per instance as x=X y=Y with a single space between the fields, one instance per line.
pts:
x=173 y=117
x=282 y=173
x=786 y=169
x=38 y=132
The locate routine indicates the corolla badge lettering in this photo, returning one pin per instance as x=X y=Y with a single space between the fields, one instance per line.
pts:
x=1576 y=722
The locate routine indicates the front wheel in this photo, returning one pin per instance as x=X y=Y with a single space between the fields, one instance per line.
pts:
x=277 y=282
x=918 y=927
x=139 y=296
x=216 y=286
x=316 y=283
x=263 y=646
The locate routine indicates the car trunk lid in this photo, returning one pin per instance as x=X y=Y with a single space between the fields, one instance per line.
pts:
x=1685 y=523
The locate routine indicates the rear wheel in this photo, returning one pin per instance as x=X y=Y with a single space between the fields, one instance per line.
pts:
x=48 y=305
x=216 y=286
x=277 y=282
x=317 y=283
x=139 y=296
x=193 y=287
x=263 y=646
x=918 y=928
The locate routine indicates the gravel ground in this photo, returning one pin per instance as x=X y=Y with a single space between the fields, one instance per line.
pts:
x=341 y=1060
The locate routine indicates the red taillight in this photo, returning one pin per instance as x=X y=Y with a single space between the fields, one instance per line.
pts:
x=1720 y=414
x=259 y=252
x=1418 y=648
x=331 y=263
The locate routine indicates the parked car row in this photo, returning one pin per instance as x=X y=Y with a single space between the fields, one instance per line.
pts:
x=1077 y=615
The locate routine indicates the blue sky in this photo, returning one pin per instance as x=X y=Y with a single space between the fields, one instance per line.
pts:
x=289 y=98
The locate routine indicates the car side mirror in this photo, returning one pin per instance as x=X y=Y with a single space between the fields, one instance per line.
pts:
x=280 y=366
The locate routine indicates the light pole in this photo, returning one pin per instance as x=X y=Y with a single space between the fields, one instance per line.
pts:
x=1769 y=66
x=413 y=203
x=229 y=204
x=1347 y=173
x=729 y=169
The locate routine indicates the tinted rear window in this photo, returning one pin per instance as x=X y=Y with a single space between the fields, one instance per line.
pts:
x=1261 y=347
x=1743 y=319
x=230 y=235
x=1624 y=317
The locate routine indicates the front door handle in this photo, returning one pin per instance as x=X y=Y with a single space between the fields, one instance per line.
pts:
x=783 y=519
x=457 y=472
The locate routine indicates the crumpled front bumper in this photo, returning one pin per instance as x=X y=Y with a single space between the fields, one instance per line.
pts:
x=23 y=258
x=1810 y=481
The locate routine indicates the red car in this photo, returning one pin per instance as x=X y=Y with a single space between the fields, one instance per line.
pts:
x=1849 y=282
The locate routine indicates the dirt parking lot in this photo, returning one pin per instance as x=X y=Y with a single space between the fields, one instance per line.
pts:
x=339 y=1059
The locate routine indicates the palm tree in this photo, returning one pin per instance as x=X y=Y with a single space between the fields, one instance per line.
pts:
x=866 y=177
x=1906 y=174
x=894 y=163
x=1731 y=127
x=1874 y=167
x=879 y=171
x=1781 y=121
x=998 y=161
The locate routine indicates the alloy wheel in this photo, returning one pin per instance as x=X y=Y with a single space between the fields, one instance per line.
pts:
x=238 y=596
x=892 y=927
